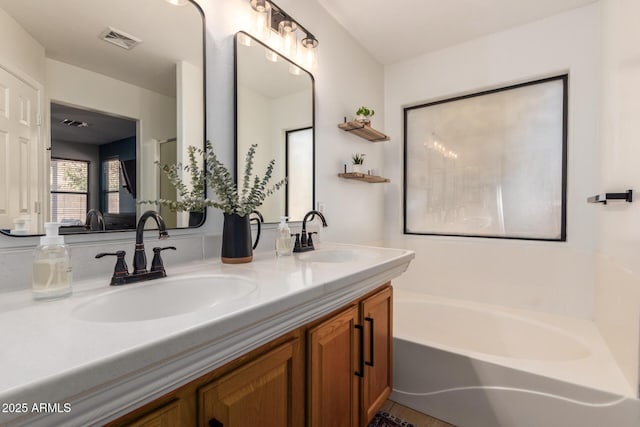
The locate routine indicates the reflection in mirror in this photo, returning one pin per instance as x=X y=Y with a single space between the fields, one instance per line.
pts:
x=274 y=109
x=86 y=109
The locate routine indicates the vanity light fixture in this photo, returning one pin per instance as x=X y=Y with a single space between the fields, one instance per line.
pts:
x=177 y=2
x=279 y=30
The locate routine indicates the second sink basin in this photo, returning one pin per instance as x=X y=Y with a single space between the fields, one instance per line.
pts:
x=163 y=298
x=328 y=256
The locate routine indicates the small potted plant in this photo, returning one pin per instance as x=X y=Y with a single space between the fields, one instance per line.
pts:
x=364 y=114
x=357 y=160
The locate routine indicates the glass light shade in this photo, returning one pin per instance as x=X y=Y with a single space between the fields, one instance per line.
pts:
x=260 y=5
x=287 y=30
x=261 y=19
x=307 y=58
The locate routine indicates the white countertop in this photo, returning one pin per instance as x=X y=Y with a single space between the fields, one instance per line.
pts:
x=104 y=370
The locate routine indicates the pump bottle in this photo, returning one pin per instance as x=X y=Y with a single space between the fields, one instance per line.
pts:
x=284 y=246
x=51 y=276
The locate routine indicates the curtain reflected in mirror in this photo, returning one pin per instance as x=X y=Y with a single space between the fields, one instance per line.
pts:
x=274 y=109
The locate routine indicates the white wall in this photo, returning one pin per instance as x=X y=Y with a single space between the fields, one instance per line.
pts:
x=345 y=78
x=20 y=52
x=618 y=270
x=548 y=276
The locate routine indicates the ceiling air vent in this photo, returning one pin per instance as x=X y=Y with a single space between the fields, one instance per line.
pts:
x=74 y=123
x=120 y=38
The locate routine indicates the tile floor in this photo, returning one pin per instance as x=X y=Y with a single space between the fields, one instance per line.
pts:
x=418 y=419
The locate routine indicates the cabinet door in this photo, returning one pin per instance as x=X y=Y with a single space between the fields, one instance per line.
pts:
x=164 y=416
x=268 y=392
x=332 y=362
x=377 y=318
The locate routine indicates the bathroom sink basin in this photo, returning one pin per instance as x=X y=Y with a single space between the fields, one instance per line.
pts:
x=329 y=256
x=163 y=298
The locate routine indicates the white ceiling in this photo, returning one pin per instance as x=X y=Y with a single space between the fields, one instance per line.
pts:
x=397 y=30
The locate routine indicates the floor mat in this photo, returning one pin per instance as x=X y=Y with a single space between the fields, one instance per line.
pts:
x=385 y=419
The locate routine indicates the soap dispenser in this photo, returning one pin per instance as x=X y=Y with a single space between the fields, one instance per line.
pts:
x=284 y=245
x=51 y=276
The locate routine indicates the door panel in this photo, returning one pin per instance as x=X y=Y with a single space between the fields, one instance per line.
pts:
x=20 y=151
x=332 y=385
x=377 y=315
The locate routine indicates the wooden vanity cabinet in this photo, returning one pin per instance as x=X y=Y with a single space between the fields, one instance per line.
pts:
x=377 y=318
x=349 y=363
x=333 y=372
x=263 y=387
x=332 y=359
x=268 y=391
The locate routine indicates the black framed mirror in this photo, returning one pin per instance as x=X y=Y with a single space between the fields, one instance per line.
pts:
x=86 y=109
x=274 y=106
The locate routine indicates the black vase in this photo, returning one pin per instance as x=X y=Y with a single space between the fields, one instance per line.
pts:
x=236 y=238
x=195 y=218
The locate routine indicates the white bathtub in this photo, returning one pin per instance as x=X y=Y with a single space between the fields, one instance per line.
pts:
x=476 y=365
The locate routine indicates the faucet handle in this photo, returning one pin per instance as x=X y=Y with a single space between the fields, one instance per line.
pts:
x=121 y=270
x=296 y=246
x=156 y=263
x=310 y=239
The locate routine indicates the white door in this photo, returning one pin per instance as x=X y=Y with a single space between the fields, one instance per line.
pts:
x=19 y=152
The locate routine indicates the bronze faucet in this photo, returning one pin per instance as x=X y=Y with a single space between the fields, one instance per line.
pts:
x=121 y=274
x=304 y=241
x=99 y=219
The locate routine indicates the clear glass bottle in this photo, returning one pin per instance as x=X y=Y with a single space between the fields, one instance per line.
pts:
x=284 y=243
x=51 y=277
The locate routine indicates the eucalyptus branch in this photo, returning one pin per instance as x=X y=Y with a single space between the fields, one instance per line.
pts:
x=206 y=170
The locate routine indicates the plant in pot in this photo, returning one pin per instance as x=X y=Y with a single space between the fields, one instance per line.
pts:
x=357 y=160
x=237 y=204
x=364 y=114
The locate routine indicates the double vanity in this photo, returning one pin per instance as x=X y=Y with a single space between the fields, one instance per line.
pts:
x=206 y=342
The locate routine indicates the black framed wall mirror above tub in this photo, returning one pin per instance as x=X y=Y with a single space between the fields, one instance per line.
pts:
x=120 y=88
x=274 y=105
x=489 y=164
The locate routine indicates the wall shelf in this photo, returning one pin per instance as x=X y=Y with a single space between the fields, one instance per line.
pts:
x=372 y=179
x=363 y=131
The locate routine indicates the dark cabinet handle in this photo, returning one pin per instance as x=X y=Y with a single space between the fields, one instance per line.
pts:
x=370 y=362
x=360 y=371
x=215 y=423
